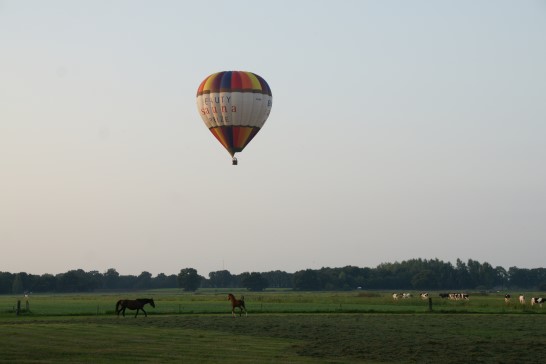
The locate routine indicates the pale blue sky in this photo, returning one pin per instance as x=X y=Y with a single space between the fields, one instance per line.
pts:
x=399 y=130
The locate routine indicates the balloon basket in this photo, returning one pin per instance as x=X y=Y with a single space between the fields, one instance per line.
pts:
x=234 y=161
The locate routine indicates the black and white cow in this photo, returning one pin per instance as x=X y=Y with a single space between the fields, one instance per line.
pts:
x=537 y=301
x=424 y=295
x=507 y=298
x=458 y=296
x=396 y=296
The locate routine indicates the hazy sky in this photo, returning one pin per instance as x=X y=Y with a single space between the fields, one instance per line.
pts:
x=399 y=130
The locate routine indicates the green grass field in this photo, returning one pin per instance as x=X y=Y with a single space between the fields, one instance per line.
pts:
x=215 y=302
x=292 y=327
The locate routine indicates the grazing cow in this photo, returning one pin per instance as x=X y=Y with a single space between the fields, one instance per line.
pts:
x=522 y=299
x=507 y=298
x=406 y=295
x=458 y=296
x=395 y=296
x=424 y=296
x=537 y=301
x=444 y=295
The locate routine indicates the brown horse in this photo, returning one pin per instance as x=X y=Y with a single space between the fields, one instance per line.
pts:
x=137 y=304
x=237 y=303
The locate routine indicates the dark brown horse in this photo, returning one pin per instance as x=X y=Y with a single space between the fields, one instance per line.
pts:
x=137 y=304
x=237 y=303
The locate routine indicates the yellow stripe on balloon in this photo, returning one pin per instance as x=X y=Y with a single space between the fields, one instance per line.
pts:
x=255 y=82
x=241 y=136
x=210 y=80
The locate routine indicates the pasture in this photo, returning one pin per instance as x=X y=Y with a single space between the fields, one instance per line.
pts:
x=328 y=327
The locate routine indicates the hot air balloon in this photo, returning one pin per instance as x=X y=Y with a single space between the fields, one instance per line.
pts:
x=234 y=106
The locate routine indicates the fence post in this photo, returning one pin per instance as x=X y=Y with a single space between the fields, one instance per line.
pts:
x=18 y=310
x=430 y=303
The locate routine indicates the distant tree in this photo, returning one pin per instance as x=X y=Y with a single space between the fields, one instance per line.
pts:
x=502 y=277
x=78 y=281
x=18 y=285
x=423 y=280
x=127 y=281
x=475 y=272
x=6 y=282
x=164 y=281
x=353 y=277
x=463 y=277
x=221 y=279
x=390 y=276
x=278 y=279
x=539 y=277
x=326 y=278
x=93 y=279
x=44 y=283
x=411 y=274
x=443 y=274
x=111 y=279
x=189 y=280
x=144 y=280
x=488 y=275
x=519 y=278
x=254 y=281
x=307 y=280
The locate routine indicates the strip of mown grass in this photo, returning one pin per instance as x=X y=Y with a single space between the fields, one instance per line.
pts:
x=79 y=343
x=291 y=338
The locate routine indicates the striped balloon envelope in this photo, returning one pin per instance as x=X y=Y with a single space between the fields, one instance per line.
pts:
x=234 y=106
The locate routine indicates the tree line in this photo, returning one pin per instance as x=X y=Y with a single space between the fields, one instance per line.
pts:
x=414 y=274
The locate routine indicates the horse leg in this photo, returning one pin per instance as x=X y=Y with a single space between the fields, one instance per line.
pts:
x=123 y=311
x=145 y=314
x=136 y=314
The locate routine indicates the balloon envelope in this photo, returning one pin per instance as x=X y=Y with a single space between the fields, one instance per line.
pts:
x=234 y=106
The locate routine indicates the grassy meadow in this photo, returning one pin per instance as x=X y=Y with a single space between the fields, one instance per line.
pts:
x=293 y=327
